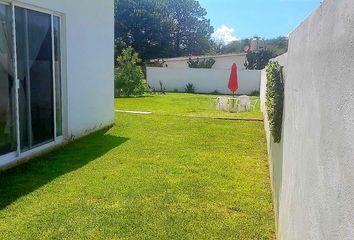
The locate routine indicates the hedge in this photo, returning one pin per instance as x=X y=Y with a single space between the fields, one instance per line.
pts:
x=275 y=99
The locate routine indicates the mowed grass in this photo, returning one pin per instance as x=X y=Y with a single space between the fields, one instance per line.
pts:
x=148 y=177
x=181 y=104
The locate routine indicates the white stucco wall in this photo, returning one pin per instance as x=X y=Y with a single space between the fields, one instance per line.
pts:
x=275 y=150
x=204 y=80
x=177 y=64
x=88 y=61
x=221 y=62
x=317 y=197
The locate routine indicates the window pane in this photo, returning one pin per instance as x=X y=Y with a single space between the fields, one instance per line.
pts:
x=7 y=86
x=35 y=72
x=57 y=62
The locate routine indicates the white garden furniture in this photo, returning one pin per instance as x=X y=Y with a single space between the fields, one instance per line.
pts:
x=244 y=103
x=223 y=104
x=229 y=104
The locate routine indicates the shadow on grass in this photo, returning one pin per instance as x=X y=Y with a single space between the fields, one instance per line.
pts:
x=26 y=178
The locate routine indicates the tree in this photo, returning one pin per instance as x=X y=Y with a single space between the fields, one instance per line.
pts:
x=237 y=46
x=129 y=77
x=277 y=46
x=162 y=28
x=258 y=60
x=191 y=31
x=144 y=25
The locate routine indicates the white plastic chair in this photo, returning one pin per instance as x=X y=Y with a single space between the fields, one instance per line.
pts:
x=244 y=103
x=223 y=104
x=214 y=103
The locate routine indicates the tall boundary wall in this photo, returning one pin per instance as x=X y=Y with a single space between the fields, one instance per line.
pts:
x=204 y=80
x=315 y=196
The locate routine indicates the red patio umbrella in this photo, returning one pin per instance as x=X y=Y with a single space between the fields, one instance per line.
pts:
x=233 y=81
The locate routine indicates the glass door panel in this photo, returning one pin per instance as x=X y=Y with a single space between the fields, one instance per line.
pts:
x=35 y=74
x=7 y=83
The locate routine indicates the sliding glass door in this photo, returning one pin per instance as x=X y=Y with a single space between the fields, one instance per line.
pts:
x=29 y=52
x=7 y=84
x=35 y=74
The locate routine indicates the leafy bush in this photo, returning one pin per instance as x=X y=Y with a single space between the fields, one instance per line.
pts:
x=275 y=99
x=201 y=63
x=189 y=88
x=215 y=92
x=129 y=77
x=258 y=60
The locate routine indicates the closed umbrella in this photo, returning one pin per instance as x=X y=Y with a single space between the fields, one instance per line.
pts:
x=233 y=81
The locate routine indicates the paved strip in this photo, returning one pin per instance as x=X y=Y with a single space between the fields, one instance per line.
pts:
x=191 y=116
x=133 y=112
x=229 y=118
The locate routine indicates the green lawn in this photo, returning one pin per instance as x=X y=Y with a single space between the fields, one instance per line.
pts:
x=149 y=177
x=180 y=104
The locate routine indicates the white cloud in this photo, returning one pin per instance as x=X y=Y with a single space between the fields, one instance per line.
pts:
x=224 y=34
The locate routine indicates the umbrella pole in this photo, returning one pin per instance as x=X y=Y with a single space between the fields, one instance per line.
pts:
x=233 y=99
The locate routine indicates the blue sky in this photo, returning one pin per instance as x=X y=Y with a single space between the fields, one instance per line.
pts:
x=266 y=18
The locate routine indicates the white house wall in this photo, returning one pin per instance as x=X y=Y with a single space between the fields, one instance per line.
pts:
x=88 y=52
x=227 y=61
x=204 y=80
x=177 y=64
x=221 y=62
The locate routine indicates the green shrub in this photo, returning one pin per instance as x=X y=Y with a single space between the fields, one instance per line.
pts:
x=129 y=76
x=275 y=99
x=201 y=63
x=189 y=88
x=258 y=60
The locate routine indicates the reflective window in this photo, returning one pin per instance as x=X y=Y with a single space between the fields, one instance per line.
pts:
x=35 y=73
x=7 y=84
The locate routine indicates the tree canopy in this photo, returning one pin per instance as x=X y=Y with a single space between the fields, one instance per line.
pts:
x=277 y=46
x=172 y=28
x=258 y=60
x=162 y=28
